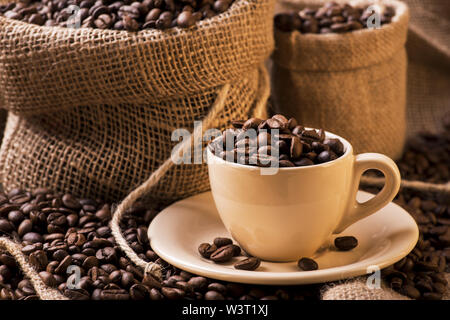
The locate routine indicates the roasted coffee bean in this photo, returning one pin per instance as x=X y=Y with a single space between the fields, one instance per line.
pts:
x=7 y=260
x=326 y=156
x=48 y=278
x=220 y=242
x=39 y=260
x=32 y=237
x=130 y=24
x=139 y=292
x=172 y=293
x=218 y=287
x=335 y=145
x=248 y=264
x=304 y=162
x=214 y=295
x=16 y=217
x=346 y=243
x=6 y=226
x=307 y=264
x=410 y=291
x=206 y=249
x=198 y=283
x=77 y=294
x=296 y=148
x=236 y=250
x=106 y=255
x=222 y=254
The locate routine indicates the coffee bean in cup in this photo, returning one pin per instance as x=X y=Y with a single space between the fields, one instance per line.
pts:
x=332 y=18
x=117 y=15
x=277 y=140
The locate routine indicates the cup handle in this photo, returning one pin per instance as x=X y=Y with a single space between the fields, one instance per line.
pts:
x=356 y=211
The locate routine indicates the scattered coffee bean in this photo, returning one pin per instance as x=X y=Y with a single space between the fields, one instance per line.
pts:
x=248 y=264
x=206 y=249
x=346 y=243
x=220 y=242
x=223 y=254
x=307 y=264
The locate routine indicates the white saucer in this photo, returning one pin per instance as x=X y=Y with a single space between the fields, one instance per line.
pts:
x=384 y=238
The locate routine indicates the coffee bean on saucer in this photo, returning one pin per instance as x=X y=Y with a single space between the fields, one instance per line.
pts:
x=236 y=250
x=206 y=249
x=346 y=243
x=248 y=264
x=223 y=254
x=307 y=264
x=220 y=242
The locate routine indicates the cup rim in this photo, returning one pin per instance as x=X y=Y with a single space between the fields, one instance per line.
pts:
x=347 y=146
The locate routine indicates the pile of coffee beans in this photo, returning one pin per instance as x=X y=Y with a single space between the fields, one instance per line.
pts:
x=12 y=284
x=130 y=15
x=330 y=18
x=60 y=233
x=421 y=274
x=277 y=141
x=223 y=250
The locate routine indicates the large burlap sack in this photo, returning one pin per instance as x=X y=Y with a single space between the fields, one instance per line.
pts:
x=353 y=84
x=92 y=111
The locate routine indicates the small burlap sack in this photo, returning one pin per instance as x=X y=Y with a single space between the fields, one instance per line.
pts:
x=352 y=84
x=92 y=111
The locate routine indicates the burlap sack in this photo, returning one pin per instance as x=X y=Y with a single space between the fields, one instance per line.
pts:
x=352 y=84
x=92 y=111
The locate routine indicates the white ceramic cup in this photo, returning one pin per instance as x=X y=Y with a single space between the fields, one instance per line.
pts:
x=291 y=214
